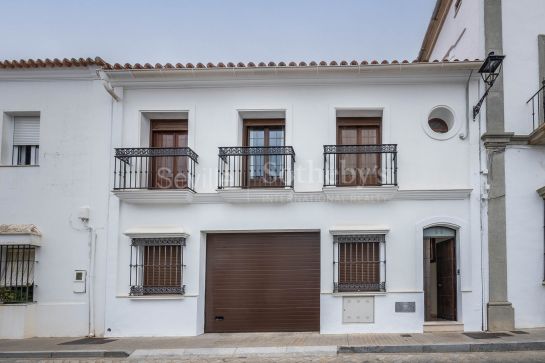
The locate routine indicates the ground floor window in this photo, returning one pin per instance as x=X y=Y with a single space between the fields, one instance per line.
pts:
x=17 y=273
x=360 y=263
x=156 y=266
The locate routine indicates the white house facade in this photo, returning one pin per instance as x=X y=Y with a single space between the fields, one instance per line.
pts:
x=244 y=199
x=513 y=138
x=335 y=197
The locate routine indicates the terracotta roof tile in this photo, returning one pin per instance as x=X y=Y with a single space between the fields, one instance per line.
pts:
x=99 y=62
x=55 y=63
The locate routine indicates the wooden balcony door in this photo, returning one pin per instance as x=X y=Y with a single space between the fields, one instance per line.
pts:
x=169 y=172
x=358 y=169
x=264 y=170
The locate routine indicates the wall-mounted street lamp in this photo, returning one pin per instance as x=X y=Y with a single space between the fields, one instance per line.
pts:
x=490 y=71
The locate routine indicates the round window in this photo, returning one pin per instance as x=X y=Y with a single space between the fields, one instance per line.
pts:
x=438 y=125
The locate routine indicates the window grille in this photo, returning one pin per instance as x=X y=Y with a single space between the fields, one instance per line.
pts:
x=17 y=273
x=156 y=266
x=360 y=263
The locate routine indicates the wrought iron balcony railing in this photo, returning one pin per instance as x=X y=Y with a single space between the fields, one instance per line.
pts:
x=155 y=168
x=256 y=167
x=360 y=165
x=538 y=107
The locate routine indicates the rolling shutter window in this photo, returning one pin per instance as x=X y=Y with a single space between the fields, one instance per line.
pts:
x=26 y=130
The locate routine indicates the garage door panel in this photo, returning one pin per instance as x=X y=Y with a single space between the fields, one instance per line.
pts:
x=229 y=299
x=243 y=280
x=263 y=282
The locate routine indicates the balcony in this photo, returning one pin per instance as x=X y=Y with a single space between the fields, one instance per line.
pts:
x=361 y=172
x=137 y=171
x=537 y=102
x=261 y=172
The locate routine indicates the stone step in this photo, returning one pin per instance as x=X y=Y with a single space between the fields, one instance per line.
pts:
x=443 y=326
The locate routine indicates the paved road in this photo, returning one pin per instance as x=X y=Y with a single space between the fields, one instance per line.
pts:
x=345 y=358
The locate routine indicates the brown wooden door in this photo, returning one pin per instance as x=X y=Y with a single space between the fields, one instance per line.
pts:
x=358 y=169
x=169 y=172
x=264 y=170
x=262 y=282
x=446 y=279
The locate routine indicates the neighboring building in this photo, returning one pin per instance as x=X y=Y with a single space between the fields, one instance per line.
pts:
x=513 y=135
x=55 y=147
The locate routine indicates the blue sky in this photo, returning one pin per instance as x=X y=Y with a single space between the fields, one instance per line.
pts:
x=213 y=30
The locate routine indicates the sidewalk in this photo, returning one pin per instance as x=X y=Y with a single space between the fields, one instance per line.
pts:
x=272 y=343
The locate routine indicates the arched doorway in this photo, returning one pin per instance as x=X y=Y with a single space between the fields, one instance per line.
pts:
x=440 y=274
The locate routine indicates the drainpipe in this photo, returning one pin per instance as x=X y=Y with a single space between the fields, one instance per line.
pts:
x=91 y=295
x=466 y=134
x=107 y=86
x=84 y=217
x=483 y=175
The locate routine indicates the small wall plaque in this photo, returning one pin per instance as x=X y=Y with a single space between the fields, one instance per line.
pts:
x=405 y=307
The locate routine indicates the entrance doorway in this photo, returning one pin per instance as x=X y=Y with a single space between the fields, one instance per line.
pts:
x=440 y=274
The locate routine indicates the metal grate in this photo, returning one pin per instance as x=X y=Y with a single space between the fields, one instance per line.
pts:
x=17 y=273
x=155 y=168
x=360 y=165
x=360 y=263
x=88 y=341
x=156 y=266
x=537 y=102
x=256 y=167
x=483 y=335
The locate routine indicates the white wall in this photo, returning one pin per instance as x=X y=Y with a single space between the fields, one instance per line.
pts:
x=73 y=172
x=151 y=317
x=424 y=163
x=79 y=129
x=311 y=124
x=525 y=171
x=522 y=23
x=525 y=258
x=462 y=35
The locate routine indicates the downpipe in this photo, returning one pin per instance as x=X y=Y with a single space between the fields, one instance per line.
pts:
x=91 y=277
x=465 y=135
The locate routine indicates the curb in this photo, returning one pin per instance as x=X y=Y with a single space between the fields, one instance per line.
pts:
x=446 y=348
x=66 y=354
x=285 y=350
x=233 y=352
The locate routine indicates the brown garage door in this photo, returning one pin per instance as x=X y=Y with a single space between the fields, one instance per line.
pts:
x=262 y=282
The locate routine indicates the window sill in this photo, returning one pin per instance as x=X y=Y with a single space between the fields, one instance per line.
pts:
x=355 y=293
x=18 y=304
x=155 y=297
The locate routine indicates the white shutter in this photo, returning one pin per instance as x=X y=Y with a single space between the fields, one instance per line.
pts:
x=26 y=130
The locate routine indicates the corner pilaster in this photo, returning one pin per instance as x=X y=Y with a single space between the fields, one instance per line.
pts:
x=500 y=312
